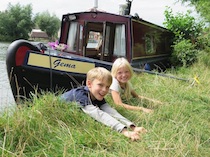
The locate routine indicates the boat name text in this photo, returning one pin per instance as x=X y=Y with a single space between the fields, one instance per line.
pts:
x=58 y=62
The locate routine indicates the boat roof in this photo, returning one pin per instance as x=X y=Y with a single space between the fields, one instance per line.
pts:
x=133 y=17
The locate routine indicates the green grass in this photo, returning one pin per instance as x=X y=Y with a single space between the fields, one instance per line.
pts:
x=45 y=126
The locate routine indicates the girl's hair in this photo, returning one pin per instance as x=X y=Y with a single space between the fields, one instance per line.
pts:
x=101 y=74
x=119 y=63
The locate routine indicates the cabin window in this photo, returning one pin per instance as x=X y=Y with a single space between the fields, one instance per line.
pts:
x=94 y=40
x=94 y=44
x=72 y=40
x=119 y=43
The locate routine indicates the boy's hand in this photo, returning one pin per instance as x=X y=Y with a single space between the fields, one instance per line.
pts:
x=134 y=136
x=140 y=130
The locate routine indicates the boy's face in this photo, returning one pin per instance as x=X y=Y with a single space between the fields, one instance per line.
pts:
x=123 y=75
x=98 y=88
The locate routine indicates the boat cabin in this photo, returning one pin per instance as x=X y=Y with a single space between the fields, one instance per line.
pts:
x=106 y=36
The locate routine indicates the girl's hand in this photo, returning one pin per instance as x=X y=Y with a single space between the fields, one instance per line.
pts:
x=146 y=110
x=149 y=99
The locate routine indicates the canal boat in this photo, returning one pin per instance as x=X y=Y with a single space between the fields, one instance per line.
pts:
x=87 y=39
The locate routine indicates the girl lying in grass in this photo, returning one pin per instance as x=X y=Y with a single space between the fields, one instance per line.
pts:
x=121 y=88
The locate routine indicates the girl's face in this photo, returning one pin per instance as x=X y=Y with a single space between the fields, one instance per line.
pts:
x=123 y=75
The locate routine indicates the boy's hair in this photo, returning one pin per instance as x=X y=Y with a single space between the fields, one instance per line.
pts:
x=101 y=74
x=119 y=63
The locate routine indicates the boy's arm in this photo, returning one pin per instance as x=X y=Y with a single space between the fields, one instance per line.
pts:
x=108 y=120
x=103 y=117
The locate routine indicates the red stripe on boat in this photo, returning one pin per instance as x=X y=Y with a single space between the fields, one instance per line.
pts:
x=20 y=55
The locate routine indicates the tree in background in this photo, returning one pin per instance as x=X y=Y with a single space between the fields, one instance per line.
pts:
x=49 y=24
x=184 y=26
x=202 y=7
x=187 y=41
x=16 y=22
x=186 y=31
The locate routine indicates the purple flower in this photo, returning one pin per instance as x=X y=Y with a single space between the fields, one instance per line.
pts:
x=56 y=46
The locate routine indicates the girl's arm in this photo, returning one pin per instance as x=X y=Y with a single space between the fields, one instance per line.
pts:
x=118 y=101
x=135 y=95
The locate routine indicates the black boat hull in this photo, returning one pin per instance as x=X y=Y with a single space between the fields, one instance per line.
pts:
x=31 y=71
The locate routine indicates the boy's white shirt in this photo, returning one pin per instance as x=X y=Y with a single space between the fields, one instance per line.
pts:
x=108 y=116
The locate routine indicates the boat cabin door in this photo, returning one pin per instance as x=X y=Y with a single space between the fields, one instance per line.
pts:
x=99 y=40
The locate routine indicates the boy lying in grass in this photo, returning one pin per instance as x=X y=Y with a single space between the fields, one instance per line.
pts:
x=92 y=102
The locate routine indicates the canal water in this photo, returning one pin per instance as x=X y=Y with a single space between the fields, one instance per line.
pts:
x=6 y=97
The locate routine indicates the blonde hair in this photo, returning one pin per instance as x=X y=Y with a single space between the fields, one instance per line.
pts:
x=101 y=74
x=122 y=63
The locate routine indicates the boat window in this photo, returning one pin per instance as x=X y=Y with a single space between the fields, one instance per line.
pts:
x=119 y=43
x=149 y=40
x=72 y=36
x=145 y=39
x=94 y=40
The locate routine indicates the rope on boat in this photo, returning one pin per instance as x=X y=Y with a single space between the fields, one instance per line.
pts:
x=194 y=80
x=160 y=74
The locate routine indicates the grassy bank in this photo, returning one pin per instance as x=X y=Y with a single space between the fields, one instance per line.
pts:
x=178 y=127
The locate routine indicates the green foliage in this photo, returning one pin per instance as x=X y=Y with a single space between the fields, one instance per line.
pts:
x=16 y=22
x=184 y=26
x=204 y=40
x=184 y=53
x=49 y=24
x=188 y=37
x=202 y=7
x=203 y=57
